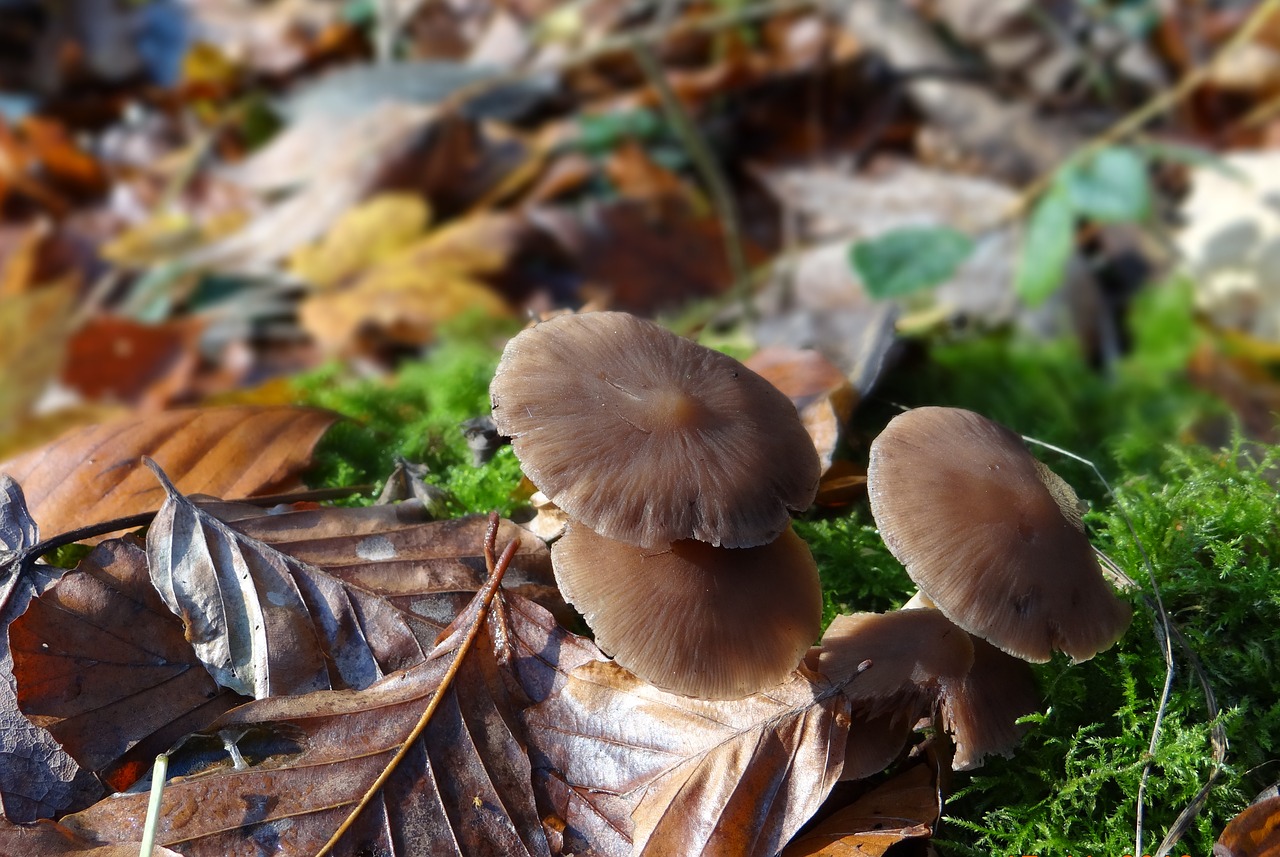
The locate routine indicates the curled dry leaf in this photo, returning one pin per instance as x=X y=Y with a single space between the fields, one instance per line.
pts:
x=94 y=473
x=819 y=389
x=698 y=776
x=463 y=789
x=102 y=664
x=262 y=622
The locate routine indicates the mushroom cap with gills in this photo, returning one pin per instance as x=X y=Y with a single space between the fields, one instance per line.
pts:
x=647 y=437
x=713 y=623
x=990 y=535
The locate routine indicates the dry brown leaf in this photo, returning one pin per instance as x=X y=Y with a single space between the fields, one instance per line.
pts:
x=820 y=391
x=905 y=807
x=427 y=569
x=695 y=776
x=264 y=623
x=1255 y=832
x=120 y=360
x=334 y=161
x=34 y=328
x=103 y=665
x=48 y=839
x=38 y=779
x=463 y=789
x=94 y=473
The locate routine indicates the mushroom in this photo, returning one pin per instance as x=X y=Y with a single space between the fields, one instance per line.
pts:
x=649 y=438
x=918 y=663
x=990 y=535
x=694 y=619
x=981 y=710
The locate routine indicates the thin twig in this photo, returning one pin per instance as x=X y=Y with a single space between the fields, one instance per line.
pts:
x=705 y=163
x=1134 y=121
x=497 y=568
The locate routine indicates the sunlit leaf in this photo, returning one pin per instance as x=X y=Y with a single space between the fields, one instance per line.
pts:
x=1046 y=248
x=909 y=259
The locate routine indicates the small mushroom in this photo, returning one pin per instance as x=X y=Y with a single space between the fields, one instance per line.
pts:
x=915 y=663
x=694 y=619
x=908 y=654
x=649 y=438
x=981 y=710
x=990 y=535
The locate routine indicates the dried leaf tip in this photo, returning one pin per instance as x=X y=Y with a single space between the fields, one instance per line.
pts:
x=649 y=438
x=997 y=547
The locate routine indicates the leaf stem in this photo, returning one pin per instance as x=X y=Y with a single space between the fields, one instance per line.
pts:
x=158 y=776
x=497 y=568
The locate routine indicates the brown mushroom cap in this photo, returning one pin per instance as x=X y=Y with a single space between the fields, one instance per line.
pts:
x=981 y=710
x=647 y=437
x=701 y=621
x=909 y=653
x=966 y=508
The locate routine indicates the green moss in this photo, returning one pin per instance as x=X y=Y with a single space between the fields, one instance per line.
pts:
x=416 y=415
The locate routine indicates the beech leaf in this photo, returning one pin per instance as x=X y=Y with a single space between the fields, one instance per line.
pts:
x=697 y=776
x=38 y=779
x=94 y=473
x=463 y=789
x=103 y=665
x=262 y=622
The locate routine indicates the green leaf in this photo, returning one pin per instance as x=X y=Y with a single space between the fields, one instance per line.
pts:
x=1046 y=247
x=1110 y=187
x=908 y=260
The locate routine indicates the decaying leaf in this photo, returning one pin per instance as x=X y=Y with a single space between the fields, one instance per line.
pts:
x=427 y=569
x=905 y=807
x=363 y=236
x=695 y=776
x=95 y=474
x=38 y=779
x=463 y=789
x=262 y=622
x=1255 y=832
x=103 y=665
x=48 y=839
x=434 y=279
x=821 y=392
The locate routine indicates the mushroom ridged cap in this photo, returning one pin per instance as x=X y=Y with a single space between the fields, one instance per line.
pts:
x=981 y=710
x=965 y=507
x=910 y=654
x=647 y=437
x=697 y=620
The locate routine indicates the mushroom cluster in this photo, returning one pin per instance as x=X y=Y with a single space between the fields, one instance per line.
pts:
x=995 y=542
x=679 y=469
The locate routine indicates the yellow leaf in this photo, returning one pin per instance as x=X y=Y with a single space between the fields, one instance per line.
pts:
x=34 y=328
x=362 y=237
